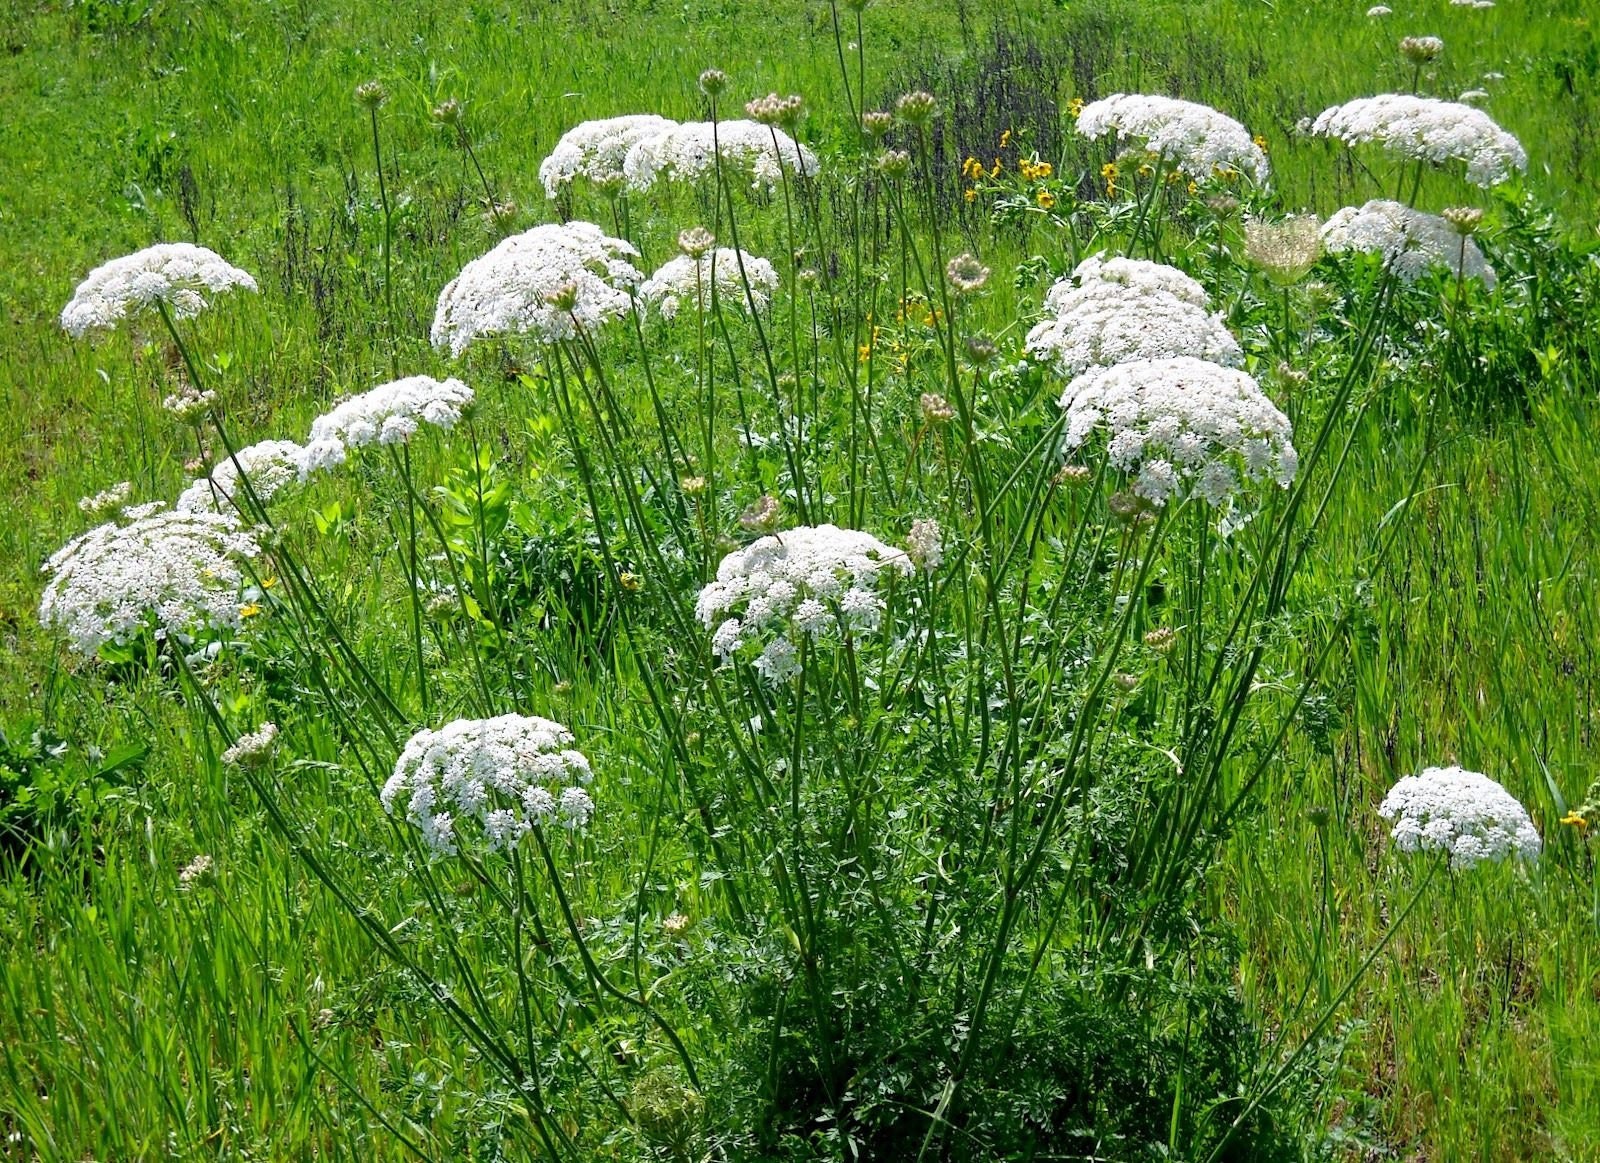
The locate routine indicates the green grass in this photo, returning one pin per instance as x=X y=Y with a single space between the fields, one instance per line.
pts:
x=141 y=1020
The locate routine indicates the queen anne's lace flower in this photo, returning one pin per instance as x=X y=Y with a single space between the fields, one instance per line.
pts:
x=1195 y=139
x=686 y=153
x=684 y=278
x=806 y=582
x=388 y=414
x=106 y=500
x=1463 y=813
x=174 y=574
x=507 y=774
x=1134 y=273
x=1410 y=241
x=269 y=467
x=1182 y=425
x=252 y=748
x=538 y=282
x=595 y=150
x=1427 y=129
x=178 y=274
x=1126 y=309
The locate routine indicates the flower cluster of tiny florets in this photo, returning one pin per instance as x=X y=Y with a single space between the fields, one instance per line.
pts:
x=1195 y=139
x=509 y=774
x=594 y=150
x=1180 y=425
x=1125 y=309
x=687 y=152
x=545 y=282
x=1459 y=812
x=269 y=467
x=805 y=583
x=174 y=574
x=684 y=278
x=252 y=748
x=1427 y=129
x=178 y=274
x=1410 y=241
x=388 y=414
x=106 y=499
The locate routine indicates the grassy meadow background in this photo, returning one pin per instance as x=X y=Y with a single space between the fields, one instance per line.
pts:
x=140 y=1021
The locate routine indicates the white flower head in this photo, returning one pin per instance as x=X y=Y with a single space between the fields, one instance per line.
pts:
x=1429 y=130
x=1182 y=425
x=507 y=774
x=253 y=748
x=1410 y=241
x=388 y=414
x=1125 y=309
x=1462 y=813
x=178 y=274
x=544 y=282
x=106 y=500
x=925 y=544
x=594 y=151
x=685 y=279
x=804 y=583
x=269 y=466
x=1195 y=139
x=687 y=152
x=174 y=574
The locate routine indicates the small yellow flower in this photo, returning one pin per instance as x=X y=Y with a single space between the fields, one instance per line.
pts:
x=1043 y=169
x=1109 y=171
x=1146 y=171
x=1193 y=189
x=972 y=169
x=1577 y=821
x=1174 y=177
x=1005 y=139
x=631 y=582
x=249 y=609
x=1075 y=107
x=1261 y=143
x=1047 y=200
x=971 y=195
x=994 y=170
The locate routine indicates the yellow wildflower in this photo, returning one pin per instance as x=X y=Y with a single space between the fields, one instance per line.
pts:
x=1146 y=171
x=972 y=169
x=1047 y=200
x=1005 y=139
x=971 y=195
x=249 y=609
x=1261 y=143
x=994 y=171
x=1075 y=107
x=1577 y=821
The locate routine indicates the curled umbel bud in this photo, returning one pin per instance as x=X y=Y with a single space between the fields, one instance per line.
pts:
x=916 y=108
x=696 y=242
x=1462 y=219
x=1419 y=50
x=713 y=81
x=371 y=94
x=894 y=163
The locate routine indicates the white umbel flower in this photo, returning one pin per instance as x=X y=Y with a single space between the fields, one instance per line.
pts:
x=269 y=467
x=806 y=582
x=1410 y=241
x=538 y=282
x=1429 y=130
x=688 y=279
x=1134 y=273
x=253 y=748
x=1182 y=425
x=171 y=573
x=1463 y=813
x=388 y=414
x=686 y=153
x=507 y=774
x=1125 y=309
x=1195 y=139
x=594 y=150
x=106 y=500
x=178 y=274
